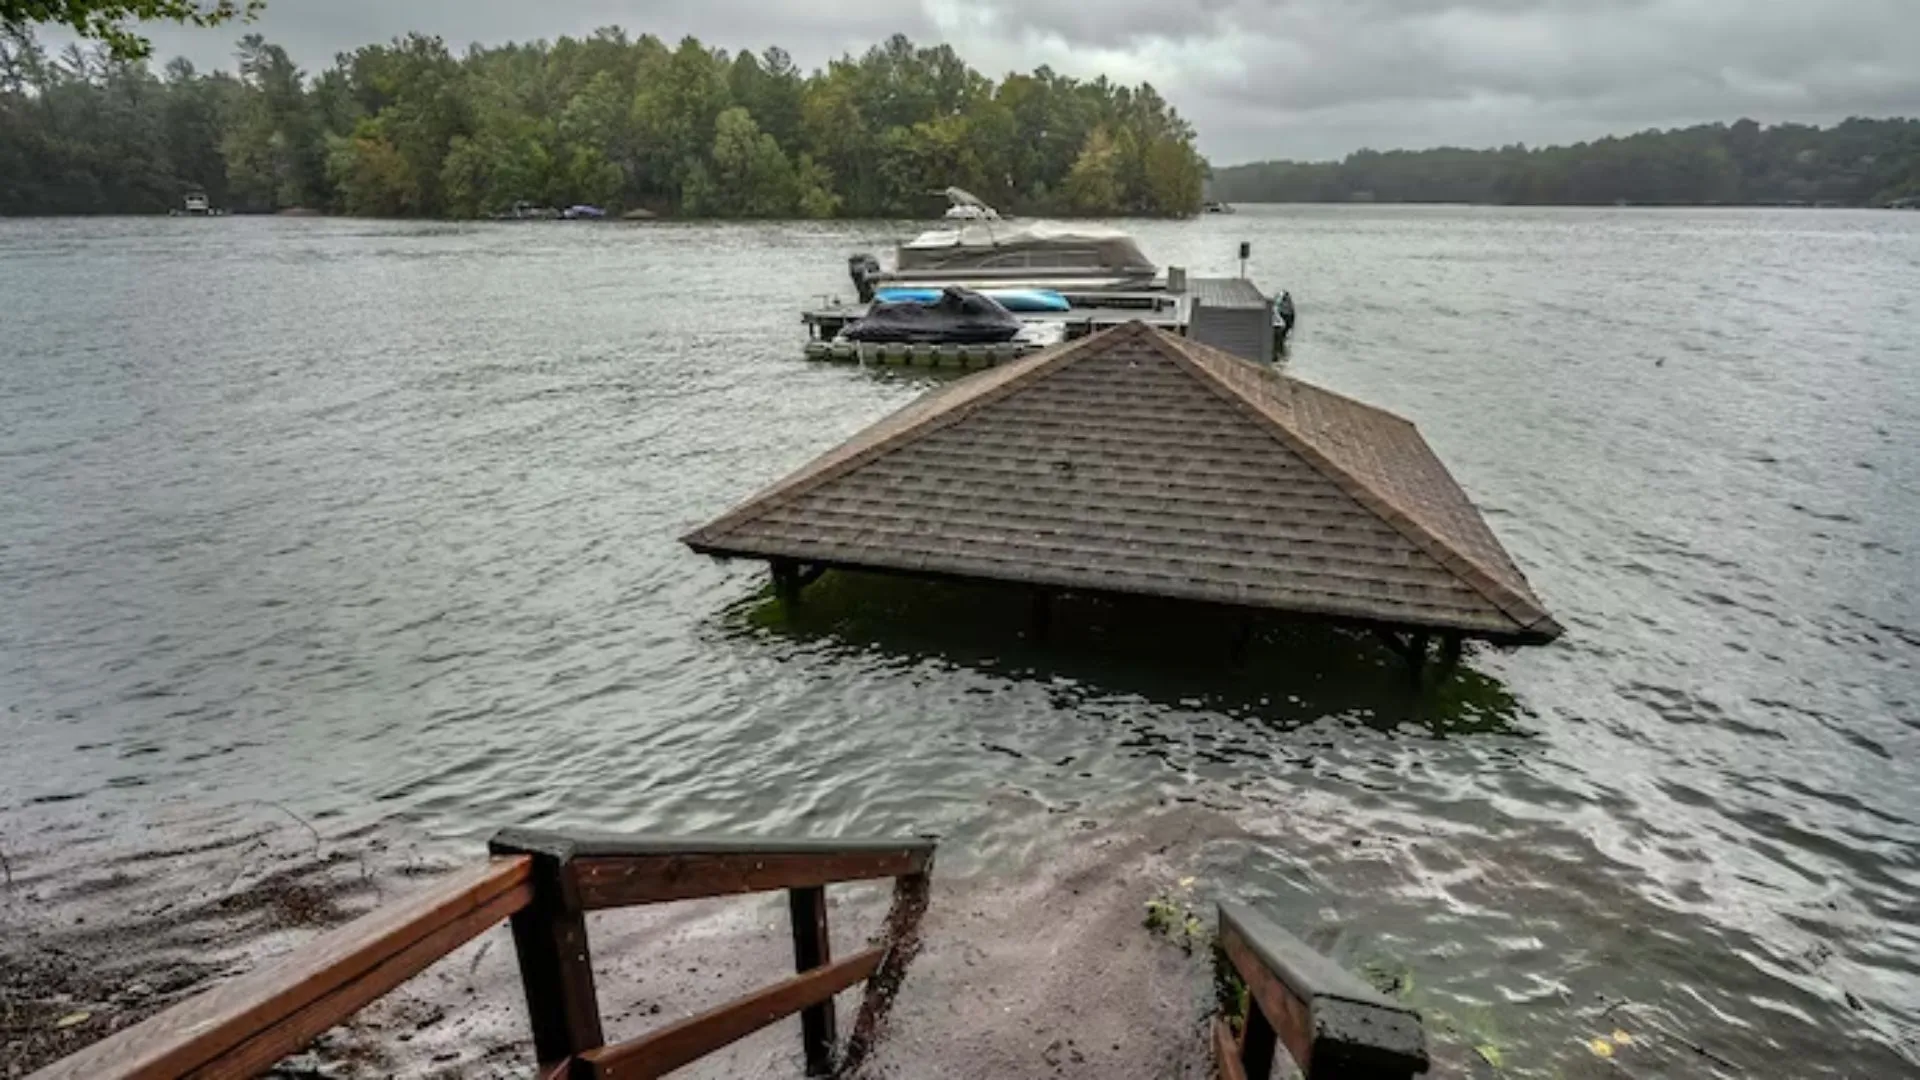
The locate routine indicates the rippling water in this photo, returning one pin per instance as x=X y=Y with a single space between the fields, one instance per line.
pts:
x=380 y=520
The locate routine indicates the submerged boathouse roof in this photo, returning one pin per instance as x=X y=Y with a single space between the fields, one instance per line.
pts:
x=1137 y=461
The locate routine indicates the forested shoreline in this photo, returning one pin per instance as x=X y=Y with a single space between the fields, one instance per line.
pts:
x=1858 y=162
x=409 y=129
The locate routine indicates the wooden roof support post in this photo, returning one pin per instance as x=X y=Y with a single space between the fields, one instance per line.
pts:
x=1420 y=645
x=786 y=579
x=556 y=969
x=1452 y=646
x=1040 y=614
x=1242 y=638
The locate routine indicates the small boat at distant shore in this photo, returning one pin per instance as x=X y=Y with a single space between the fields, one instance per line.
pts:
x=195 y=205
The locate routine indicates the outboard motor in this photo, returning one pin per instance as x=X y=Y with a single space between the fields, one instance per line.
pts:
x=1283 y=324
x=862 y=268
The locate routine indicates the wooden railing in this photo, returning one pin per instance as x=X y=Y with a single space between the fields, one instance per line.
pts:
x=545 y=883
x=575 y=873
x=1334 y=1026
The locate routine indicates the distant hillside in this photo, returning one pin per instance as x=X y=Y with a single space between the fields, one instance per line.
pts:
x=1855 y=163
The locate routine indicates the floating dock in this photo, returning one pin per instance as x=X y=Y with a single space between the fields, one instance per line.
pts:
x=1227 y=313
x=901 y=354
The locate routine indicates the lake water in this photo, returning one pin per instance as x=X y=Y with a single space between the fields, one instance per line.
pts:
x=379 y=521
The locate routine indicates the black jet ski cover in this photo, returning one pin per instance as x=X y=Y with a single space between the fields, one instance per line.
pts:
x=960 y=316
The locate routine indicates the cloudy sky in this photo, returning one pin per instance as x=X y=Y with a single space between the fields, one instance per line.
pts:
x=1275 y=78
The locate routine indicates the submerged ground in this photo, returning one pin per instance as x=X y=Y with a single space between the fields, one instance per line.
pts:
x=371 y=527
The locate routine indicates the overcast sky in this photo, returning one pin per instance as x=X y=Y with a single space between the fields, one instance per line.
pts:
x=1273 y=78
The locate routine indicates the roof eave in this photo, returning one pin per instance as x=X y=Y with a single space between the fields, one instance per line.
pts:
x=1532 y=634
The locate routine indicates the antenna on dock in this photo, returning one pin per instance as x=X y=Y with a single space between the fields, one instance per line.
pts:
x=1246 y=250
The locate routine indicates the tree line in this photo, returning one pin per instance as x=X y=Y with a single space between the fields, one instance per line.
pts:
x=1857 y=162
x=408 y=129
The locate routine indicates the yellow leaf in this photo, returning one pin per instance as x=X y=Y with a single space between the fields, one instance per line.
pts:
x=1622 y=1037
x=1601 y=1048
x=72 y=1019
x=1489 y=1053
x=1185 y=882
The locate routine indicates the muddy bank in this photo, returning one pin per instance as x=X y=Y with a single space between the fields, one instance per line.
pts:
x=1050 y=973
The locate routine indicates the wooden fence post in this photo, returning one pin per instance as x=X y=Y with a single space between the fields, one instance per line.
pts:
x=556 y=967
x=812 y=949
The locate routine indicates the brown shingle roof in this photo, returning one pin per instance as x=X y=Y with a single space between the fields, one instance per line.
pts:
x=1136 y=461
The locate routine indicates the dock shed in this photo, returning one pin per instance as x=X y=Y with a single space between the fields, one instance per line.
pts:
x=1136 y=461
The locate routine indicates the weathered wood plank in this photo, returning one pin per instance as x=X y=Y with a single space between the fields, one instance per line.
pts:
x=1286 y=1013
x=588 y=842
x=1330 y=1022
x=613 y=881
x=332 y=975
x=259 y=1053
x=1226 y=1051
x=695 y=1037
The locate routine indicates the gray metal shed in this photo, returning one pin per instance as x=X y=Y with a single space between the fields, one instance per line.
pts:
x=1232 y=315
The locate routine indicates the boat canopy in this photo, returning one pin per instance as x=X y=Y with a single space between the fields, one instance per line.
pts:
x=1049 y=245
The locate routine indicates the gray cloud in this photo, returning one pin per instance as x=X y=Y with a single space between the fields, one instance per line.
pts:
x=1277 y=78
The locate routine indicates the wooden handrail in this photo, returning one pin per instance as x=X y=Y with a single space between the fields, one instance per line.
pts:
x=620 y=871
x=578 y=872
x=1334 y=1026
x=544 y=882
x=242 y=1027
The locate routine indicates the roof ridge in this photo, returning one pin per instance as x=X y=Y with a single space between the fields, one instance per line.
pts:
x=1528 y=614
x=799 y=482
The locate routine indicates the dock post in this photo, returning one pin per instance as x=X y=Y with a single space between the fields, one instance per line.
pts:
x=811 y=949
x=786 y=579
x=556 y=970
x=1451 y=647
x=1419 y=646
x=1242 y=639
x=1040 y=614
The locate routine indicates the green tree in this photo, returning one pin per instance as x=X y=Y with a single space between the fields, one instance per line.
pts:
x=1172 y=175
x=275 y=154
x=371 y=175
x=750 y=177
x=1093 y=184
x=674 y=113
x=106 y=20
x=407 y=127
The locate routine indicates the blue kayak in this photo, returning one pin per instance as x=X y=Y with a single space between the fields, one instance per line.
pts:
x=1011 y=299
